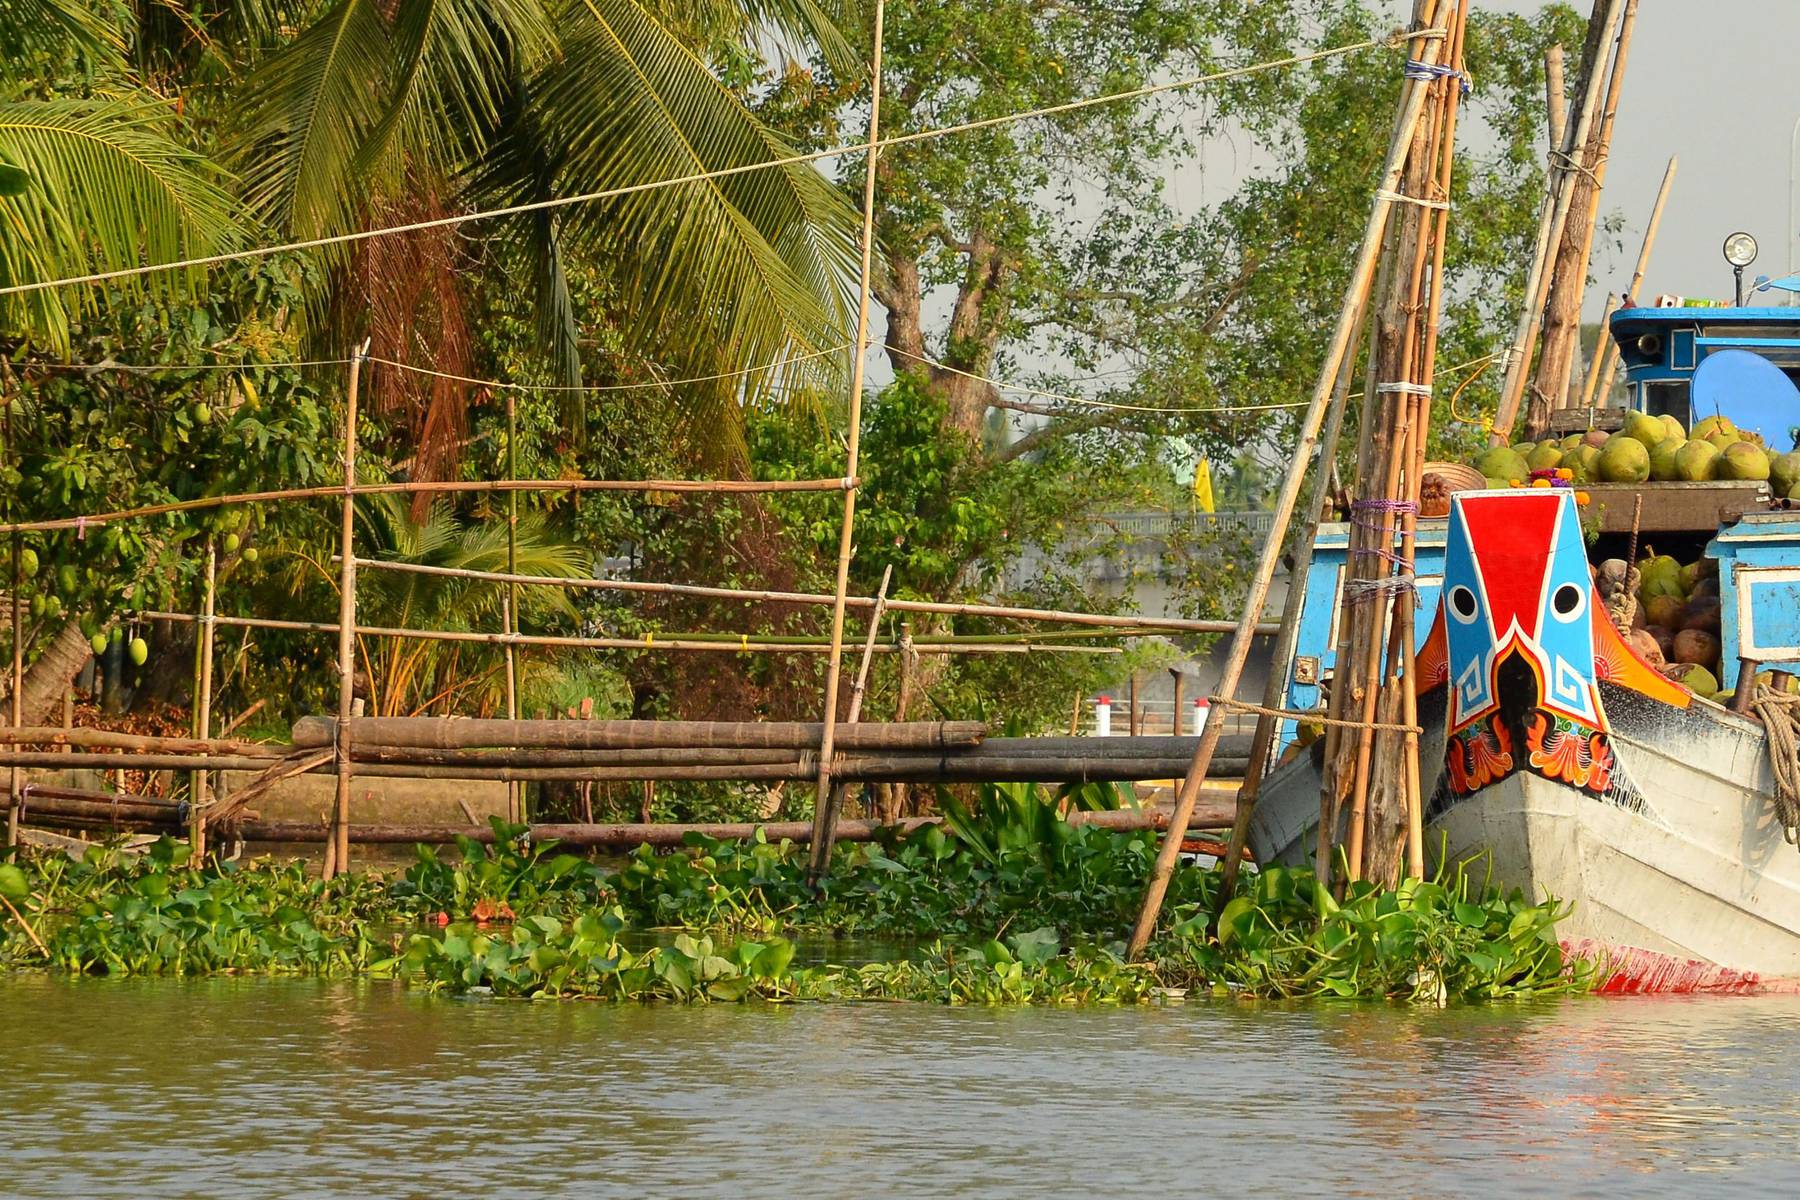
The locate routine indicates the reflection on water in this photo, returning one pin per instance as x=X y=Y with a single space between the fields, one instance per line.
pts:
x=252 y=1087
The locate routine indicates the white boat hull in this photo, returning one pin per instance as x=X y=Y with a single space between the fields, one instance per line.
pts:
x=1683 y=856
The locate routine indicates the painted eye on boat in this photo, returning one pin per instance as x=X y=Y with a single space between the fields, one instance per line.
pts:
x=1567 y=602
x=1462 y=604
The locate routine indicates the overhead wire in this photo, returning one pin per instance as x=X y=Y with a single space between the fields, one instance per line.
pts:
x=721 y=172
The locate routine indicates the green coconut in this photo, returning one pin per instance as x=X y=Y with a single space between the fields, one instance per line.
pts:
x=1694 y=461
x=1698 y=680
x=1624 y=459
x=1662 y=458
x=1500 y=462
x=1710 y=426
x=1570 y=442
x=140 y=651
x=1741 y=460
x=1522 y=448
x=1784 y=472
x=1673 y=426
x=1583 y=463
x=1545 y=457
x=1645 y=428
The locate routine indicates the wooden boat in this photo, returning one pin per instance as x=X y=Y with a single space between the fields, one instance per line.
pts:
x=1550 y=745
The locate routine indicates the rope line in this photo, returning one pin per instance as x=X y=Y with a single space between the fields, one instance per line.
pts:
x=1314 y=717
x=1780 y=713
x=610 y=387
x=722 y=172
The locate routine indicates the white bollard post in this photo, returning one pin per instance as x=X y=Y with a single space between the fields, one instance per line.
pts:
x=1201 y=711
x=1103 y=716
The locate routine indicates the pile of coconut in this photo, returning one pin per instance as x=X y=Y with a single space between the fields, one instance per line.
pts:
x=1672 y=612
x=1648 y=448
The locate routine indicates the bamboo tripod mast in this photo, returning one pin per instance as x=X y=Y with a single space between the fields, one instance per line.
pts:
x=822 y=795
x=1412 y=104
x=1552 y=217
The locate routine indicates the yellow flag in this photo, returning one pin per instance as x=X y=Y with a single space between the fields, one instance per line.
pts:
x=1203 y=493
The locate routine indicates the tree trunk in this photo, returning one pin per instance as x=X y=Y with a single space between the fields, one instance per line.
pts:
x=47 y=679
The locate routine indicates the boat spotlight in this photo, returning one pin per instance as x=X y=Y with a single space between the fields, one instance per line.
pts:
x=1740 y=252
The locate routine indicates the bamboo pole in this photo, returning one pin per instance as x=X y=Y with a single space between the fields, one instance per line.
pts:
x=1556 y=95
x=198 y=781
x=1611 y=355
x=347 y=622
x=438 y=487
x=512 y=698
x=1361 y=277
x=670 y=835
x=1602 y=350
x=1103 y=620
x=18 y=624
x=821 y=847
x=515 y=809
x=1552 y=218
x=709 y=643
x=846 y=535
x=1263 y=740
x=1131 y=721
x=466 y=733
x=51 y=735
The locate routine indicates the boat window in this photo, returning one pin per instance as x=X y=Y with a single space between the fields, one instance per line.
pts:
x=1668 y=398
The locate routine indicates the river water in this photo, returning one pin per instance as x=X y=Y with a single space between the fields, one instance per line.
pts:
x=278 y=1088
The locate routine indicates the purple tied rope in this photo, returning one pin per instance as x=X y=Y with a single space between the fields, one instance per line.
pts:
x=1360 y=590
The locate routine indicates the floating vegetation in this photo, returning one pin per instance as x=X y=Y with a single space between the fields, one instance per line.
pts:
x=1005 y=905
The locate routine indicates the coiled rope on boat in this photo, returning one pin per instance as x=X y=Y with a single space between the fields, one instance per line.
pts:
x=1780 y=713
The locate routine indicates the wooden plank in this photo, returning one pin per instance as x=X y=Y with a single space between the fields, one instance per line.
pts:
x=1579 y=420
x=1675 y=507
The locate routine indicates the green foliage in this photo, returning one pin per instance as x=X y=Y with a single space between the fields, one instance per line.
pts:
x=518 y=919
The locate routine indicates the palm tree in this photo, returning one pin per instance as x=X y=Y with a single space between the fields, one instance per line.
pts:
x=490 y=103
x=411 y=675
x=92 y=182
x=361 y=107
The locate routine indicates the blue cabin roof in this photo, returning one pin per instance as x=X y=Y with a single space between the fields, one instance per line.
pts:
x=1661 y=349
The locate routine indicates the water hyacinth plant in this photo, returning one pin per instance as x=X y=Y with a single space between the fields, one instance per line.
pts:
x=1005 y=903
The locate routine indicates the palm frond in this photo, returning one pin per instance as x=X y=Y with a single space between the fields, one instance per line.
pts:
x=55 y=29
x=749 y=270
x=333 y=118
x=108 y=186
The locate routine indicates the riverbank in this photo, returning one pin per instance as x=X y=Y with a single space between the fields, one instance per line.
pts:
x=1030 y=910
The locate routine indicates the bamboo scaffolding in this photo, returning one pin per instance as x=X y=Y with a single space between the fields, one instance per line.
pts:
x=1361 y=277
x=1552 y=217
x=1134 y=621
x=1608 y=360
x=853 y=451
